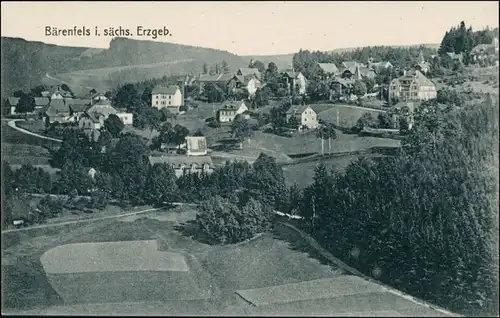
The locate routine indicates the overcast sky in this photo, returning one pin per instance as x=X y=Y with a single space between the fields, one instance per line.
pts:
x=252 y=27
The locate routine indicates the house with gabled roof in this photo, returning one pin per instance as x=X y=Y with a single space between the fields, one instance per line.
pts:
x=486 y=53
x=379 y=66
x=40 y=104
x=245 y=71
x=412 y=86
x=185 y=164
x=57 y=111
x=94 y=117
x=169 y=97
x=295 y=82
x=77 y=107
x=358 y=72
x=328 y=70
x=229 y=111
x=305 y=115
x=249 y=82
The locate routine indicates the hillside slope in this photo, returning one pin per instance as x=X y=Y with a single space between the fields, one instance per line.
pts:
x=25 y=63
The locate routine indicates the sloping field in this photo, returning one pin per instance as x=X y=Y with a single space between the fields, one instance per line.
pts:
x=377 y=304
x=308 y=290
x=309 y=143
x=111 y=257
x=107 y=78
x=348 y=115
x=103 y=287
x=263 y=262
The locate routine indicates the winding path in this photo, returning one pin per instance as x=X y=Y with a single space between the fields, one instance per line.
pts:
x=12 y=124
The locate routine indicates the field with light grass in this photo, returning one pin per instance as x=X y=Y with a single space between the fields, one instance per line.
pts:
x=309 y=143
x=348 y=114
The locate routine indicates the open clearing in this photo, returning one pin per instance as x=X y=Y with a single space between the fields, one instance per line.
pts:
x=309 y=143
x=280 y=258
x=348 y=115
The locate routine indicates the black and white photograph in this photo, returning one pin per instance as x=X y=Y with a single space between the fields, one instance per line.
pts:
x=250 y=158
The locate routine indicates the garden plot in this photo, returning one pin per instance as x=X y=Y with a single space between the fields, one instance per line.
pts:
x=309 y=290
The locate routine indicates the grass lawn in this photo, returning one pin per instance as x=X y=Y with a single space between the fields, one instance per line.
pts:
x=348 y=115
x=302 y=174
x=265 y=261
x=194 y=118
x=309 y=143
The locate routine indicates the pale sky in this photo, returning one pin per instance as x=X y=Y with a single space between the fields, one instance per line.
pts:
x=252 y=28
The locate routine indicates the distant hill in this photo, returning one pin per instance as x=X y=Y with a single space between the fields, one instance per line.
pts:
x=284 y=61
x=25 y=63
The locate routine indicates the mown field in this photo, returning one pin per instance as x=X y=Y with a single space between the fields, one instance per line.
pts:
x=348 y=115
x=309 y=143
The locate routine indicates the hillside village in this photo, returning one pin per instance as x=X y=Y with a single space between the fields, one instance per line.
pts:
x=243 y=138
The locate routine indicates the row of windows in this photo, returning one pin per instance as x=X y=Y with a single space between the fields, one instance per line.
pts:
x=164 y=96
x=164 y=102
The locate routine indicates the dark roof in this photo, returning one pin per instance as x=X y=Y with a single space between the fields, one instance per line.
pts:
x=420 y=78
x=170 y=90
x=57 y=107
x=244 y=79
x=329 y=68
x=178 y=161
x=215 y=78
x=297 y=109
x=249 y=71
x=233 y=105
x=78 y=105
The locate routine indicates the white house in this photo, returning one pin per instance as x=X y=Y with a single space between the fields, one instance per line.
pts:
x=127 y=118
x=305 y=115
x=229 y=111
x=412 y=87
x=196 y=146
x=167 y=97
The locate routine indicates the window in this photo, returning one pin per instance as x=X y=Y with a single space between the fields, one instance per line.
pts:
x=169 y=102
x=156 y=96
x=156 y=101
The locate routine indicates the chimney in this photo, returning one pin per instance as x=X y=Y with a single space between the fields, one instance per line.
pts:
x=404 y=73
x=251 y=63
